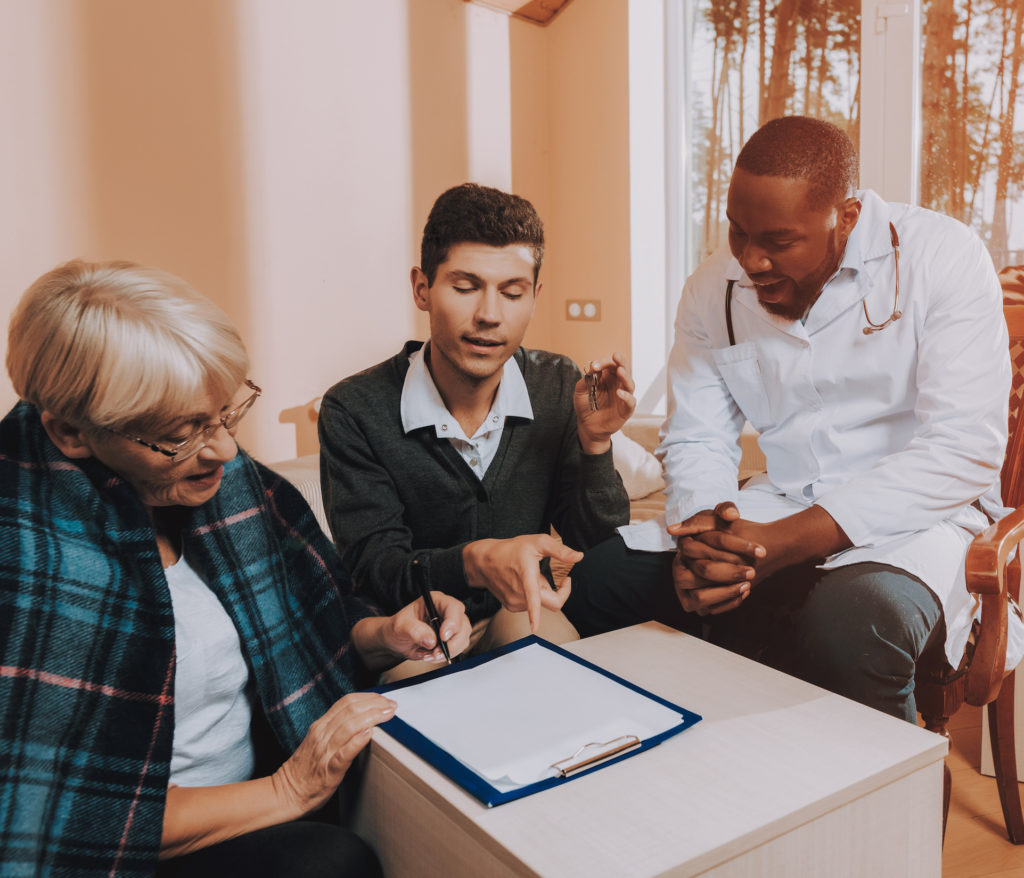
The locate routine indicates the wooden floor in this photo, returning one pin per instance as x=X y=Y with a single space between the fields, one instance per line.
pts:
x=976 y=843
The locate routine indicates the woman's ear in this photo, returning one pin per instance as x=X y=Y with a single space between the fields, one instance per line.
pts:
x=71 y=440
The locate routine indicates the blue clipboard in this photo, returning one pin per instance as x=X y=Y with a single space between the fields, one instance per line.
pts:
x=479 y=786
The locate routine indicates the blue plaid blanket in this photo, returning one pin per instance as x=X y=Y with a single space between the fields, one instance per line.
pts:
x=87 y=644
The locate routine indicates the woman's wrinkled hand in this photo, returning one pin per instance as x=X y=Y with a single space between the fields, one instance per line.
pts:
x=408 y=633
x=311 y=775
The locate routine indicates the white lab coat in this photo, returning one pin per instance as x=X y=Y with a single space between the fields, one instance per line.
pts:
x=895 y=434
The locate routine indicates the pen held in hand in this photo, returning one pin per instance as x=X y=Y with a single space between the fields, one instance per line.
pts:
x=419 y=573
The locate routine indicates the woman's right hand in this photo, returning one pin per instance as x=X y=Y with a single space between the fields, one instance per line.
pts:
x=196 y=817
x=311 y=775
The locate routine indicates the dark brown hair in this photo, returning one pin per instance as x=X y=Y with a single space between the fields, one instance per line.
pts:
x=476 y=214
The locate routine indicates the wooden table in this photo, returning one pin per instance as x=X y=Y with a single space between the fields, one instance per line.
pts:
x=779 y=779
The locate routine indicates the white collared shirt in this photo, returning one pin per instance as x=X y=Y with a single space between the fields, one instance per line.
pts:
x=893 y=433
x=422 y=406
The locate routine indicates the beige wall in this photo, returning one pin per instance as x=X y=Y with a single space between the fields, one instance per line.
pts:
x=283 y=156
x=577 y=96
x=121 y=139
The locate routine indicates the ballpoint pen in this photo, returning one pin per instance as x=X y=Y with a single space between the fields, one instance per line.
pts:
x=422 y=579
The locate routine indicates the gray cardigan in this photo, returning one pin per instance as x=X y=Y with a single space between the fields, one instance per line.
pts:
x=391 y=497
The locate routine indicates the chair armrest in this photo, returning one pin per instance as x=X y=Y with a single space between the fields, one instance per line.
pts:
x=990 y=573
x=987 y=555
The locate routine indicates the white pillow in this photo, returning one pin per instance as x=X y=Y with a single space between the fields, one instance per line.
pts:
x=640 y=470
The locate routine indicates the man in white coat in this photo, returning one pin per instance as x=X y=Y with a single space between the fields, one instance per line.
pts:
x=865 y=341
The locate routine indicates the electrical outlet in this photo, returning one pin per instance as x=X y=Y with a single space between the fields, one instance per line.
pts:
x=583 y=309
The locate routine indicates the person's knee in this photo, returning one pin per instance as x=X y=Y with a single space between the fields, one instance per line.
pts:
x=597 y=561
x=870 y=605
x=507 y=627
x=613 y=587
x=861 y=665
x=405 y=670
x=853 y=653
x=860 y=634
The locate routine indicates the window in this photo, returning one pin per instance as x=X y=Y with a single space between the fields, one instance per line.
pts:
x=930 y=90
x=751 y=61
x=972 y=144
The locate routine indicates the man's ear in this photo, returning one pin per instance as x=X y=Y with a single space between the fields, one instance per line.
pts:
x=420 y=289
x=70 y=439
x=849 y=213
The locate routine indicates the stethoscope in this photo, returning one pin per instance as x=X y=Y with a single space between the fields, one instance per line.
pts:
x=867 y=330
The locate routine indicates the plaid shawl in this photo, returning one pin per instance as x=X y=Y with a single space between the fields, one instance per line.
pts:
x=87 y=643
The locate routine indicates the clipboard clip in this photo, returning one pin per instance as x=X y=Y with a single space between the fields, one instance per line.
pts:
x=605 y=750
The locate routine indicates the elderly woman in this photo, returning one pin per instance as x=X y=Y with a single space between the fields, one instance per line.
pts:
x=180 y=643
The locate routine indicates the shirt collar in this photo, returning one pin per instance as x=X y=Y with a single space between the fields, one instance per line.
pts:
x=871 y=237
x=422 y=406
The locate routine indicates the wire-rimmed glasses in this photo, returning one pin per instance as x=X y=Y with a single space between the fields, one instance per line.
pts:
x=192 y=444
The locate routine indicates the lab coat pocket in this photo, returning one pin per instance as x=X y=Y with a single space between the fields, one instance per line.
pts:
x=740 y=370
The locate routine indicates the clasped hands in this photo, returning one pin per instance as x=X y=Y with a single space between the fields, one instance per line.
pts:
x=719 y=558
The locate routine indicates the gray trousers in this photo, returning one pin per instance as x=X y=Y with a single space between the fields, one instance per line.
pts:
x=856 y=630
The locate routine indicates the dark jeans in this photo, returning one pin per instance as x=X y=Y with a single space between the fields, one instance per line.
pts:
x=303 y=849
x=856 y=630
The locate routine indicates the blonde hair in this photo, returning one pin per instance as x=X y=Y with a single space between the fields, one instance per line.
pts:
x=113 y=344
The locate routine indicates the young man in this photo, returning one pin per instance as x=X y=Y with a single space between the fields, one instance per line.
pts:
x=454 y=459
x=865 y=341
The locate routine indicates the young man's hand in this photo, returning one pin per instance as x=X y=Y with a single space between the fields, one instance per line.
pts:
x=510 y=570
x=615 y=403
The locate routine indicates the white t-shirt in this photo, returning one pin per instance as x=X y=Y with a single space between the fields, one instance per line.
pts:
x=212 y=709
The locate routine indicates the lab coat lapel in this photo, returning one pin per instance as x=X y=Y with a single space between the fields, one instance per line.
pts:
x=867 y=250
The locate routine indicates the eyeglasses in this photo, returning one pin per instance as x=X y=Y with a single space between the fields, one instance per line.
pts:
x=195 y=442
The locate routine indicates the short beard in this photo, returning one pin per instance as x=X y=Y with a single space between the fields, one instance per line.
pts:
x=807 y=292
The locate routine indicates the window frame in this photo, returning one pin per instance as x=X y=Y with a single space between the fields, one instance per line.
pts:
x=663 y=254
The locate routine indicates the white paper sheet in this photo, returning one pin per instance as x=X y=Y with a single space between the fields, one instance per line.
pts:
x=510 y=718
